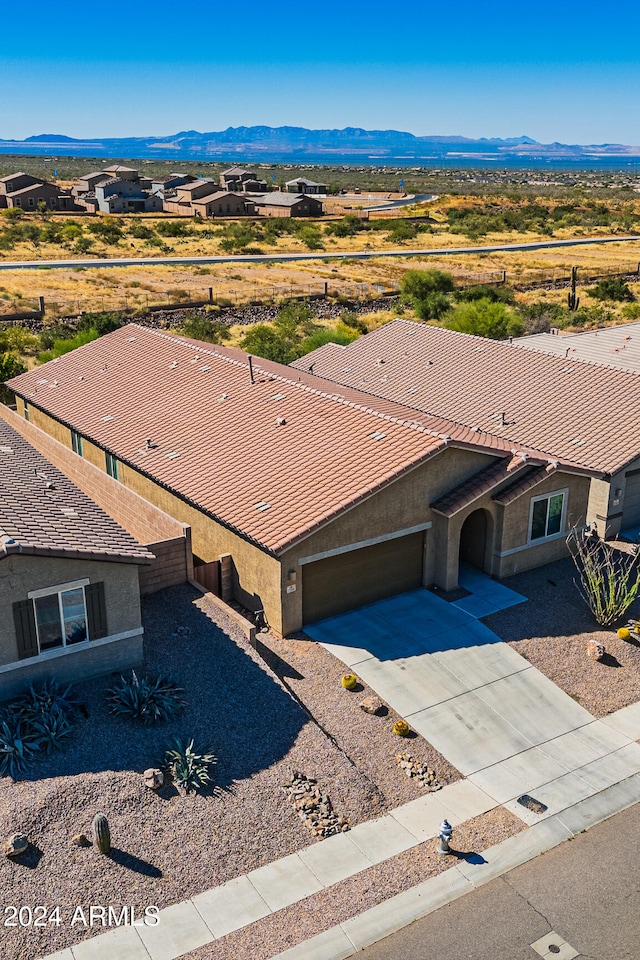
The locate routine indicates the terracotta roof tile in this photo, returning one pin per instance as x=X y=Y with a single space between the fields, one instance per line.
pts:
x=571 y=411
x=531 y=479
x=42 y=511
x=479 y=484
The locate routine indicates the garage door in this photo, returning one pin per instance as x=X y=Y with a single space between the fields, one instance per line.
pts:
x=631 y=508
x=350 y=580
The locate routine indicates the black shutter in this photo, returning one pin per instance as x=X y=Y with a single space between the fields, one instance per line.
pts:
x=25 y=623
x=96 y=610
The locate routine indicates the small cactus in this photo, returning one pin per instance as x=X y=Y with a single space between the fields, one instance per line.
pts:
x=401 y=728
x=349 y=681
x=101 y=833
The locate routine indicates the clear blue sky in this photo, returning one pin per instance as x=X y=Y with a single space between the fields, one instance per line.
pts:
x=551 y=70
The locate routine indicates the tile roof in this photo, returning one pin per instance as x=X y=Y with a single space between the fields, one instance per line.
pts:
x=479 y=484
x=617 y=347
x=570 y=410
x=531 y=479
x=273 y=460
x=276 y=199
x=45 y=513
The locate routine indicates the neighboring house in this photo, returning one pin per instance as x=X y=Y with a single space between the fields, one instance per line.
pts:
x=617 y=347
x=222 y=204
x=123 y=173
x=288 y=205
x=126 y=196
x=302 y=185
x=183 y=199
x=69 y=591
x=321 y=497
x=238 y=180
x=21 y=190
x=88 y=182
x=162 y=184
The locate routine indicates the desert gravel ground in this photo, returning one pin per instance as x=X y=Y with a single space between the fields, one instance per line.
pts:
x=168 y=847
x=552 y=631
x=305 y=919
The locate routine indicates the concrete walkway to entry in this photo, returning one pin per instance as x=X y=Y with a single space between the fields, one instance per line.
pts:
x=501 y=722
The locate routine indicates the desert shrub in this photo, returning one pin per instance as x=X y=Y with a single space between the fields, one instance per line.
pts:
x=631 y=311
x=311 y=236
x=484 y=319
x=348 y=226
x=106 y=230
x=485 y=291
x=352 y=320
x=263 y=341
x=202 y=328
x=609 y=578
x=145 y=699
x=432 y=306
x=141 y=232
x=174 y=228
x=10 y=367
x=19 y=340
x=102 y=322
x=60 y=347
x=188 y=768
x=424 y=290
x=613 y=289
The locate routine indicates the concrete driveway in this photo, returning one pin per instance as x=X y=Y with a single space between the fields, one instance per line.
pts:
x=496 y=718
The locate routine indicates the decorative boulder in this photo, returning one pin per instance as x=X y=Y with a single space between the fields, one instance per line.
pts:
x=153 y=778
x=81 y=840
x=15 y=845
x=595 y=650
x=371 y=705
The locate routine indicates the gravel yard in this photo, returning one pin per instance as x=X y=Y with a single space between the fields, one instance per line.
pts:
x=168 y=847
x=552 y=632
x=338 y=903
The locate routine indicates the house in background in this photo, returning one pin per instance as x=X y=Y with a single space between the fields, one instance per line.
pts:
x=222 y=204
x=126 y=196
x=69 y=588
x=27 y=192
x=302 y=185
x=288 y=205
x=163 y=184
x=238 y=180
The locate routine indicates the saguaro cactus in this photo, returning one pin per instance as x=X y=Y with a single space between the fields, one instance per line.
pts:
x=572 y=300
x=101 y=833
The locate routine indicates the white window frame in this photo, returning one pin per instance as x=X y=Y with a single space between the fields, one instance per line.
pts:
x=76 y=442
x=58 y=590
x=564 y=492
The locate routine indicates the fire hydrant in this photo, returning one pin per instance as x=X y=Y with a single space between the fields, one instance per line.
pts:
x=446 y=831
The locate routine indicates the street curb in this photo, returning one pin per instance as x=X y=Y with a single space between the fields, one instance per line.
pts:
x=377 y=923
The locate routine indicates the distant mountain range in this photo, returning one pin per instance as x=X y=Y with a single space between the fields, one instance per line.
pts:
x=300 y=145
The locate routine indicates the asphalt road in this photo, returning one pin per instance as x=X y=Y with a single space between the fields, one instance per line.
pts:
x=587 y=891
x=294 y=257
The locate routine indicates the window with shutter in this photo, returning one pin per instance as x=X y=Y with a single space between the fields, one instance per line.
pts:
x=96 y=610
x=25 y=624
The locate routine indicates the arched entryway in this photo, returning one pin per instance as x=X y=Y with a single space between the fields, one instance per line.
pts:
x=473 y=539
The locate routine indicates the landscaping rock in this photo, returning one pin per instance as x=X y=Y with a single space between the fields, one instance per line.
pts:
x=153 y=778
x=414 y=768
x=80 y=840
x=15 y=845
x=371 y=705
x=595 y=650
x=314 y=807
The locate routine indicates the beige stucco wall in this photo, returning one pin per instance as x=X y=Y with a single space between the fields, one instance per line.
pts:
x=20 y=574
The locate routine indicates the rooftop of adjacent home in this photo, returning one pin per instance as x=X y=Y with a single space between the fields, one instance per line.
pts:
x=573 y=410
x=269 y=451
x=42 y=512
x=617 y=346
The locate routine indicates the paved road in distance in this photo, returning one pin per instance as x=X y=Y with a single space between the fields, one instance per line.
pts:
x=295 y=257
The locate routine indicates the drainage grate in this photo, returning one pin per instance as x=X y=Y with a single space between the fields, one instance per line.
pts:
x=536 y=806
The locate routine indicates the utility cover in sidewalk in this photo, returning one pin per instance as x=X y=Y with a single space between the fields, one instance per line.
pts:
x=553 y=947
x=536 y=806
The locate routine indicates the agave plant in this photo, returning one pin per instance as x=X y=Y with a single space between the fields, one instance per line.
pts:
x=144 y=699
x=52 y=729
x=45 y=699
x=188 y=768
x=16 y=748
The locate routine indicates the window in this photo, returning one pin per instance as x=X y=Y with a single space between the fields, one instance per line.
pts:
x=112 y=466
x=547 y=515
x=76 y=443
x=26 y=410
x=61 y=618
